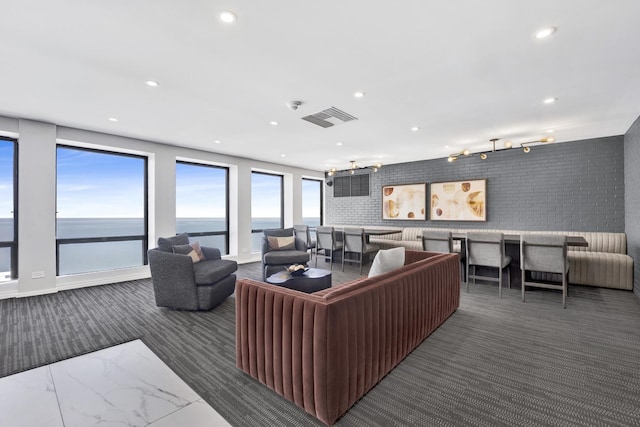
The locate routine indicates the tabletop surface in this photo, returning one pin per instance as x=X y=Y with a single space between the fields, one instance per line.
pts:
x=283 y=276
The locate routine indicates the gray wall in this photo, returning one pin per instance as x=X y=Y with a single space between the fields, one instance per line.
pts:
x=632 y=198
x=573 y=186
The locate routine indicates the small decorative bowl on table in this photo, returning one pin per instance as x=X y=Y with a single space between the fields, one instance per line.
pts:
x=297 y=269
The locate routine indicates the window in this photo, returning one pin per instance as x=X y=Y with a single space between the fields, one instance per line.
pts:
x=311 y=202
x=101 y=222
x=8 y=209
x=202 y=195
x=267 y=205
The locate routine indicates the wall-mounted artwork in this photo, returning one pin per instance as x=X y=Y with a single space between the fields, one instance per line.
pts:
x=407 y=202
x=459 y=200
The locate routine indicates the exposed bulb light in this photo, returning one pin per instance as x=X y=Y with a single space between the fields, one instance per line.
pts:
x=375 y=169
x=152 y=83
x=550 y=100
x=526 y=149
x=483 y=156
x=331 y=172
x=547 y=139
x=508 y=144
x=359 y=94
x=545 y=32
x=466 y=152
x=228 y=17
x=452 y=159
x=351 y=172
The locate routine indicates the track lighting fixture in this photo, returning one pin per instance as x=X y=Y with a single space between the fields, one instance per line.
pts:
x=507 y=145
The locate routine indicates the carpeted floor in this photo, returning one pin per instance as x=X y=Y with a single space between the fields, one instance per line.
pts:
x=493 y=362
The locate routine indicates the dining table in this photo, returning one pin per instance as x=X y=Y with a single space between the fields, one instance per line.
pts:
x=514 y=239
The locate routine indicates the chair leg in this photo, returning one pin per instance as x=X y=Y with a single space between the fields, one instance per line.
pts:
x=343 y=254
x=564 y=291
x=509 y=275
x=467 y=277
x=316 y=256
x=523 y=284
x=361 y=256
x=500 y=282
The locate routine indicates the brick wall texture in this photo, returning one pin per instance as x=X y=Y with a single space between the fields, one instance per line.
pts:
x=632 y=198
x=573 y=186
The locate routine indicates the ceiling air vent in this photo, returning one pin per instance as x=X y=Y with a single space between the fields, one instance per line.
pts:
x=329 y=117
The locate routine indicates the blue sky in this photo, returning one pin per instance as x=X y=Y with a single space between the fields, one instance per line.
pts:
x=6 y=179
x=97 y=185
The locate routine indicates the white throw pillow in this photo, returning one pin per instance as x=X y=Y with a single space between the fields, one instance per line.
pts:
x=387 y=260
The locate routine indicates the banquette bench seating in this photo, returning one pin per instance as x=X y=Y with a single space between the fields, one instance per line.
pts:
x=324 y=351
x=603 y=263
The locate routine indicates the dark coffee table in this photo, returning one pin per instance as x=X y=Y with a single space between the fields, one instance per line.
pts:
x=314 y=279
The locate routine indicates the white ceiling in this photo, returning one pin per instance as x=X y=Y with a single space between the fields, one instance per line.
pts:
x=464 y=71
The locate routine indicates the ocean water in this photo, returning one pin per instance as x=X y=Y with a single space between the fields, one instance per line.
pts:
x=90 y=257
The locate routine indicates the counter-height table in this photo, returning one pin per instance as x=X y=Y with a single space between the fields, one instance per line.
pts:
x=514 y=239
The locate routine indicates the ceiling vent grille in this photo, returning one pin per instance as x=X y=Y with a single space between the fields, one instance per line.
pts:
x=329 y=117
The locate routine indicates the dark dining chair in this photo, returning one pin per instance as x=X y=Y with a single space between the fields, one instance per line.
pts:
x=355 y=242
x=486 y=249
x=543 y=256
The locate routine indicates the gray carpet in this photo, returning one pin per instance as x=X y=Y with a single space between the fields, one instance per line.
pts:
x=494 y=362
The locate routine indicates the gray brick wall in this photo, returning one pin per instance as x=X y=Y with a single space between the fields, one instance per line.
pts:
x=573 y=186
x=632 y=198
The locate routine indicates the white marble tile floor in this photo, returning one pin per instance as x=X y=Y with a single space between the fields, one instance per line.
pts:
x=123 y=385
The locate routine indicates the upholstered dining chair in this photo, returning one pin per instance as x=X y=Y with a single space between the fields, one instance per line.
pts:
x=327 y=243
x=442 y=241
x=355 y=242
x=486 y=249
x=543 y=256
x=302 y=232
x=437 y=241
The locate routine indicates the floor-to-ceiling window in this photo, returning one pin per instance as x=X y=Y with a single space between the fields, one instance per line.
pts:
x=8 y=209
x=267 y=205
x=202 y=194
x=311 y=202
x=101 y=208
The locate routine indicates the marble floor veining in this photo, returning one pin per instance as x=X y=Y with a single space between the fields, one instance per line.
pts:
x=123 y=385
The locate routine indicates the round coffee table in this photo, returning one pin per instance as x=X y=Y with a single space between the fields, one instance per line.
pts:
x=312 y=280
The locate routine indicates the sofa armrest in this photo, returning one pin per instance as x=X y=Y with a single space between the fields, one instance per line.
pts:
x=211 y=253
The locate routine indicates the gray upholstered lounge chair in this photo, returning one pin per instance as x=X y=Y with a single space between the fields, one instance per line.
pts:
x=178 y=283
x=276 y=259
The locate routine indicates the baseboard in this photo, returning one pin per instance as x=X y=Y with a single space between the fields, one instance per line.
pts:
x=101 y=280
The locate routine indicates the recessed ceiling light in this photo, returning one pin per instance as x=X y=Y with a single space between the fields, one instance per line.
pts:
x=338 y=143
x=228 y=17
x=152 y=83
x=545 y=32
x=550 y=130
x=113 y=119
x=217 y=141
x=446 y=146
x=273 y=123
x=550 y=100
x=283 y=155
x=415 y=128
x=359 y=94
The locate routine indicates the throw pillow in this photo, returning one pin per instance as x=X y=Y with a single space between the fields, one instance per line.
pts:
x=387 y=260
x=193 y=250
x=282 y=243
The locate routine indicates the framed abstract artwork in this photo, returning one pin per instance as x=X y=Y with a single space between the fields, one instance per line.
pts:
x=458 y=200
x=404 y=202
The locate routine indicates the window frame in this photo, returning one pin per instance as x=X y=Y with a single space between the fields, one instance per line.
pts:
x=13 y=245
x=253 y=231
x=320 y=182
x=143 y=238
x=226 y=195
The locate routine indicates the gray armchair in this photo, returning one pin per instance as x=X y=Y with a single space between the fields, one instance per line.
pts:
x=274 y=259
x=180 y=284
